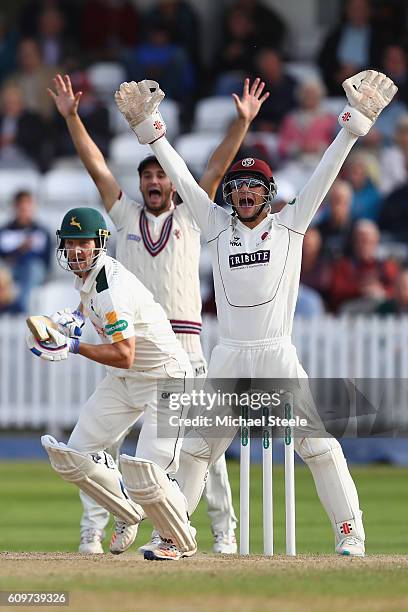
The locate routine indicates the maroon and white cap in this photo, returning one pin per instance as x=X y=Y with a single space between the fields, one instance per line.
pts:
x=250 y=165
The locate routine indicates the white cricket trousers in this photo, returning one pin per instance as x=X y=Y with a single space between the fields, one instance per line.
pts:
x=116 y=405
x=217 y=491
x=275 y=359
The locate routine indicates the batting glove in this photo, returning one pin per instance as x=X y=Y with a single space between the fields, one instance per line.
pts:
x=368 y=93
x=69 y=323
x=55 y=349
x=139 y=103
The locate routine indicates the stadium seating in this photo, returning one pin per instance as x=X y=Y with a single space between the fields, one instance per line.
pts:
x=195 y=149
x=105 y=78
x=68 y=187
x=214 y=114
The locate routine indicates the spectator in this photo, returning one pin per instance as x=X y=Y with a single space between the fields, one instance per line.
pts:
x=394 y=159
x=282 y=88
x=23 y=137
x=366 y=202
x=395 y=66
x=271 y=29
x=235 y=59
x=25 y=247
x=181 y=22
x=336 y=227
x=33 y=77
x=30 y=13
x=8 y=292
x=308 y=129
x=52 y=39
x=398 y=304
x=94 y=115
x=362 y=281
x=394 y=214
x=8 y=49
x=315 y=272
x=107 y=28
x=309 y=303
x=161 y=60
x=351 y=46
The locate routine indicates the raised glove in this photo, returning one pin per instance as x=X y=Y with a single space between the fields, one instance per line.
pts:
x=139 y=103
x=69 y=323
x=368 y=93
x=54 y=349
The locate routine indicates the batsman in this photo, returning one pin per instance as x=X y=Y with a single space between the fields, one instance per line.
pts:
x=145 y=364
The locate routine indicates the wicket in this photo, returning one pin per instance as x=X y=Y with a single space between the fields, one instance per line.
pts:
x=267 y=485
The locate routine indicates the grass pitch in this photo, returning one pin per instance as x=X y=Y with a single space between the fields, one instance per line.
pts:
x=39 y=517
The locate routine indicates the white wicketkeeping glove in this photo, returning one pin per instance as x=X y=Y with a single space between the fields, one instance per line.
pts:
x=139 y=103
x=55 y=349
x=368 y=93
x=70 y=323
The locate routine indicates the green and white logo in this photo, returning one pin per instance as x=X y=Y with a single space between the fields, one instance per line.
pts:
x=292 y=202
x=118 y=326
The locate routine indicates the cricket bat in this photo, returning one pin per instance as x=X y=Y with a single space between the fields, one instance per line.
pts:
x=37 y=326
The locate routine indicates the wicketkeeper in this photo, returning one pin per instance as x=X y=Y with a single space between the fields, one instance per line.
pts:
x=256 y=266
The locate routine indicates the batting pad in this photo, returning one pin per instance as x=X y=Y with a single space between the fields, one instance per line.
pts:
x=95 y=474
x=161 y=499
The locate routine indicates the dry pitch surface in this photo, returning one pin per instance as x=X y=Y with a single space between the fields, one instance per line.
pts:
x=205 y=582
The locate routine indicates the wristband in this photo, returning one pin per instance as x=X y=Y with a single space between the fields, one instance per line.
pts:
x=73 y=346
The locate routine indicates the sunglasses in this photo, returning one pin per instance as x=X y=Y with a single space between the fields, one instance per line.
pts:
x=249 y=182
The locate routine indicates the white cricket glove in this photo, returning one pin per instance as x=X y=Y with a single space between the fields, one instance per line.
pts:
x=139 y=103
x=70 y=323
x=368 y=93
x=54 y=349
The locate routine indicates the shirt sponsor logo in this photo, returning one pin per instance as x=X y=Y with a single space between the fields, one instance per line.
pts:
x=118 y=326
x=249 y=259
x=291 y=203
x=134 y=237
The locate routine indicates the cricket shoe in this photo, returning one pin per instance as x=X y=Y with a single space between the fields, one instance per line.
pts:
x=91 y=541
x=351 y=547
x=225 y=542
x=154 y=542
x=123 y=537
x=167 y=551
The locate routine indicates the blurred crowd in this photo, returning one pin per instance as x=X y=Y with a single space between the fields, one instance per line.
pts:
x=356 y=251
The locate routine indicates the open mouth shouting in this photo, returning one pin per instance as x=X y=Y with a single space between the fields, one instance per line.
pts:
x=155 y=195
x=246 y=201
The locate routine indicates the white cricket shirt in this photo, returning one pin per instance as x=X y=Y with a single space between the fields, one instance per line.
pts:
x=119 y=306
x=256 y=271
x=164 y=252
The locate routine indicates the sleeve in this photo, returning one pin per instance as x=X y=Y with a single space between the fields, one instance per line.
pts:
x=208 y=216
x=122 y=210
x=118 y=310
x=299 y=212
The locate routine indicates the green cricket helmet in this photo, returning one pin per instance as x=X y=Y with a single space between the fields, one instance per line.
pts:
x=82 y=223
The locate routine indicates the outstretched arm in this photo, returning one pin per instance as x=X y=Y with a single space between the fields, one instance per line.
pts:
x=247 y=108
x=139 y=102
x=368 y=93
x=67 y=104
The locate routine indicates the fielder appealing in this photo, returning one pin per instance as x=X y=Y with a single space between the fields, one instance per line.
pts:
x=256 y=266
x=160 y=244
x=145 y=363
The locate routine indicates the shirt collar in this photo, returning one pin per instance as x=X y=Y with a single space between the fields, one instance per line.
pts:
x=85 y=287
x=162 y=217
